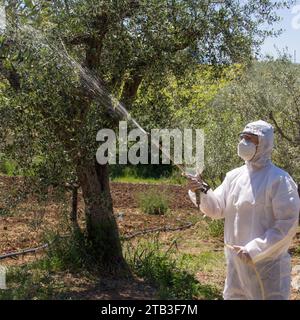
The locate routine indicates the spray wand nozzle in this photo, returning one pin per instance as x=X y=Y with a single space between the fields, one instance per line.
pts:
x=203 y=186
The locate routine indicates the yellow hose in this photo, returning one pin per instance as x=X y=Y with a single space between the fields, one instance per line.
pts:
x=262 y=289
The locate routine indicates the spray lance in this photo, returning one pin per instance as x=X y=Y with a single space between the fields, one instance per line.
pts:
x=202 y=186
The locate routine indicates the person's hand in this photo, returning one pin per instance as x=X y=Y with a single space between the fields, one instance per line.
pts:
x=243 y=254
x=194 y=182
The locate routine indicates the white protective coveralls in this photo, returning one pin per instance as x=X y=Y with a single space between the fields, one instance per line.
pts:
x=260 y=204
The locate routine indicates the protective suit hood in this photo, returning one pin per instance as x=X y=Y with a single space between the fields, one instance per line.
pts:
x=265 y=133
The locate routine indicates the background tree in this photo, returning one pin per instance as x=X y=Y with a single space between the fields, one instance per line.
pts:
x=267 y=90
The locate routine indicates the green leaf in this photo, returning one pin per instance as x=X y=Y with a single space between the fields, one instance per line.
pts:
x=29 y=3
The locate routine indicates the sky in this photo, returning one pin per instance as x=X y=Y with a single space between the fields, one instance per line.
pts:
x=291 y=34
x=2 y=18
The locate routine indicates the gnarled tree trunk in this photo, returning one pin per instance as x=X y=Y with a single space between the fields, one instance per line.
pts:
x=102 y=229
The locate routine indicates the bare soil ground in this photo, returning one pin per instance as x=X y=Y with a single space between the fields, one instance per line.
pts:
x=25 y=226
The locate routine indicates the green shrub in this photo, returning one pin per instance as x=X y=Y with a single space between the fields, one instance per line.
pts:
x=71 y=252
x=216 y=228
x=153 y=203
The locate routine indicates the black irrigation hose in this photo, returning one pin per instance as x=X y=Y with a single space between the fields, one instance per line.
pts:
x=128 y=237
x=22 y=252
x=164 y=229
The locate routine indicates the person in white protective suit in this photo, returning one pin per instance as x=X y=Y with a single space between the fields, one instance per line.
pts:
x=260 y=204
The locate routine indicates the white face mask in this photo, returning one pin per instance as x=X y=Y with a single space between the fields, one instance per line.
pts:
x=246 y=150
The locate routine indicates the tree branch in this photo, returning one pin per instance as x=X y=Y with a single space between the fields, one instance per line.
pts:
x=82 y=39
x=280 y=131
x=131 y=87
x=11 y=75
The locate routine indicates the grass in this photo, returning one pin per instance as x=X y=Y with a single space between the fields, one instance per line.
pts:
x=206 y=261
x=7 y=167
x=32 y=282
x=171 y=272
x=200 y=254
x=44 y=278
x=152 y=202
x=40 y=280
x=128 y=175
x=216 y=228
x=130 y=179
x=173 y=277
